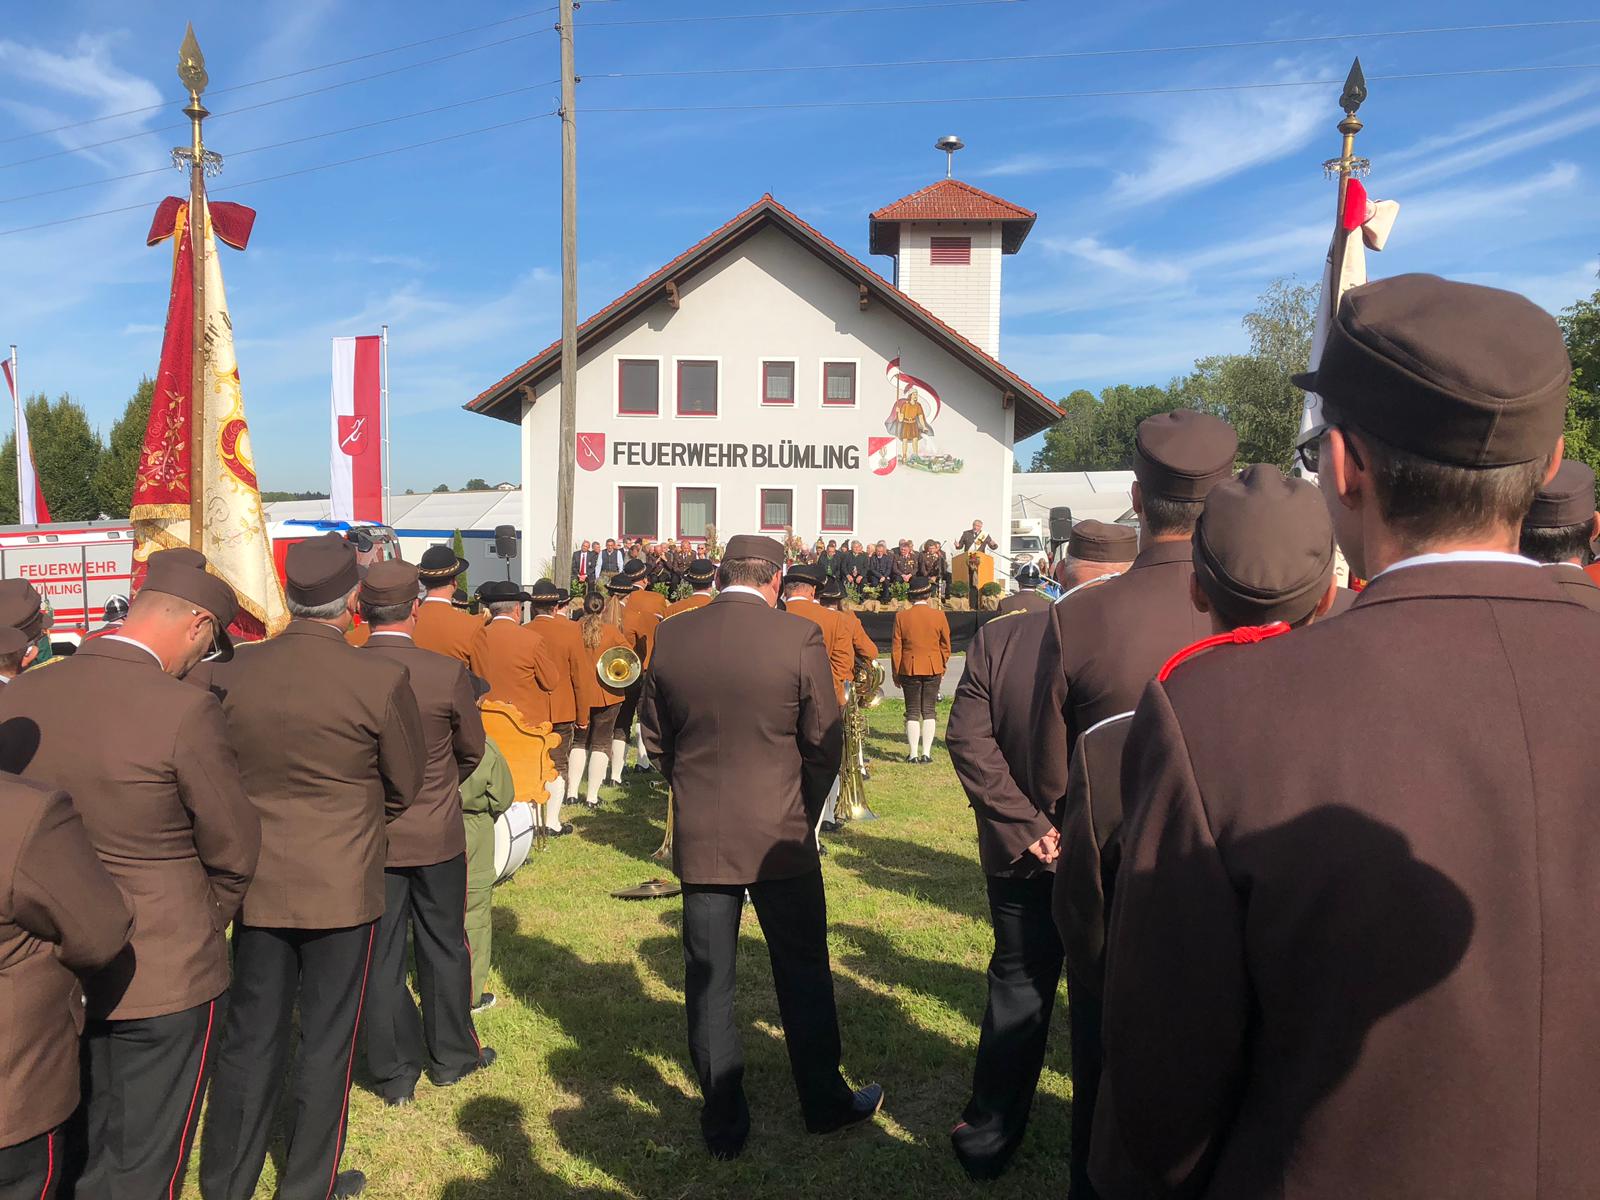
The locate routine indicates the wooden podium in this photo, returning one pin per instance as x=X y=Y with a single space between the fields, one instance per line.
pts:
x=973 y=567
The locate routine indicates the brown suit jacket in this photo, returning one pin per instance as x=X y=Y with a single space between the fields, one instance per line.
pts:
x=1101 y=646
x=446 y=629
x=61 y=916
x=865 y=647
x=648 y=600
x=160 y=793
x=1577 y=585
x=739 y=713
x=517 y=665
x=1358 y=882
x=1091 y=852
x=835 y=637
x=331 y=748
x=689 y=603
x=921 y=641
x=640 y=622
x=1028 y=600
x=988 y=740
x=602 y=696
x=564 y=642
x=431 y=829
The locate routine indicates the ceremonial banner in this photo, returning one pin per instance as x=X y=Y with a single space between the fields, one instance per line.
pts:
x=357 y=455
x=233 y=526
x=30 y=495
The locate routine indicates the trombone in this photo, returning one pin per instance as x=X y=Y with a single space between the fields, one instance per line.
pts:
x=862 y=692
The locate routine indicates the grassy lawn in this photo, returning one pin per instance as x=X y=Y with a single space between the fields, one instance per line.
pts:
x=593 y=1094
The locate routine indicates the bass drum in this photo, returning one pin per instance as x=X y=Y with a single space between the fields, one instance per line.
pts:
x=513 y=838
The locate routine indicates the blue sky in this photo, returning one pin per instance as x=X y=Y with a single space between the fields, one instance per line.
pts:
x=1161 y=217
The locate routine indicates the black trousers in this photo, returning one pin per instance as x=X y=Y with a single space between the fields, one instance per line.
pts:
x=562 y=754
x=1023 y=973
x=922 y=696
x=628 y=709
x=1084 y=1008
x=430 y=904
x=31 y=1170
x=794 y=917
x=602 y=723
x=141 y=1081
x=325 y=972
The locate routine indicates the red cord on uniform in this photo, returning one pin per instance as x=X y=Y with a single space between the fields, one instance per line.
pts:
x=1245 y=635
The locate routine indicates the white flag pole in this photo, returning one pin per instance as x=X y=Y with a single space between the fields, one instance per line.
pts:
x=16 y=417
x=383 y=373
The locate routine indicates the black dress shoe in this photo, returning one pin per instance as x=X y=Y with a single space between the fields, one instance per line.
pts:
x=864 y=1105
x=348 y=1183
x=486 y=1057
x=403 y=1099
x=485 y=1002
x=979 y=1155
x=830 y=827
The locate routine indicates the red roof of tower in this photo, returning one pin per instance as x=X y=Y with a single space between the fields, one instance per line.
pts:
x=950 y=200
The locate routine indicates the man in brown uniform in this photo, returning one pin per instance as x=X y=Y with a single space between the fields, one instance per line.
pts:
x=1120 y=633
x=160 y=795
x=331 y=748
x=1095 y=549
x=1262 y=553
x=831 y=594
x=61 y=918
x=741 y=715
x=1360 y=861
x=570 y=697
x=640 y=618
x=1026 y=598
x=425 y=872
x=21 y=607
x=702 y=576
x=1560 y=529
x=800 y=585
x=441 y=626
x=919 y=655
x=17 y=653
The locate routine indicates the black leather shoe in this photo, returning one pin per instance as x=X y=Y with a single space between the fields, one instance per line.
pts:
x=864 y=1105
x=348 y=1183
x=486 y=1057
x=485 y=1002
x=978 y=1155
x=830 y=827
x=403 y=1099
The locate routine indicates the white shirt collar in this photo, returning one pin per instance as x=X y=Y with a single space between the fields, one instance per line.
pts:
x=1458 y=556
x=1572 y=566
x=503 y=617
x=120 y=637
x=748 y=591
x=436 y=600
x=388 y=633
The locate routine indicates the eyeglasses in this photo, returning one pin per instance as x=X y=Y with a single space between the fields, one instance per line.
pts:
x=1308 y=450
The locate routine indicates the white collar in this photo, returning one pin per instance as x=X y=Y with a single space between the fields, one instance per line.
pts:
x=1574 y=566
x=1457 y=556
x=748 y=591
x=914 y=603
x=436 y=600
x=503 y=617
x=388 y=633
x=122 y=637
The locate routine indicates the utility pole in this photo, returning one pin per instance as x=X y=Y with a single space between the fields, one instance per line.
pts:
x=567 y=459
x=192 y=73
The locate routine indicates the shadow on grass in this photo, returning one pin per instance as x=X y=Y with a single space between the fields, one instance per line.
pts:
x=915 y=871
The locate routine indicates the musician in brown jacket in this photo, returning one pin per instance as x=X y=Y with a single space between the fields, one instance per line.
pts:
x=1026 y=598
x=1560 y=529
x=740 y=713
x=701 y=574
x=569 y=701
x=61 y=918
x=331 y=748
x=919 y=654
x=160 y=794
x=1360 y=861
x=515 y=663
x=441 y=626
x=601 y=629
x=640 y=618
x=425 y=871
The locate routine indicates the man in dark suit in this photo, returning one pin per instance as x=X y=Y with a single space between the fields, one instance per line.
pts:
x=61 y=919
x=1096 y=665
x=1026 y=598
x=584 y=560
x=611 y=558
x=1359 y=866
x=1560 y=529
x=160 y=795
x=331 y=749
x=425 y=872
x=740 y=714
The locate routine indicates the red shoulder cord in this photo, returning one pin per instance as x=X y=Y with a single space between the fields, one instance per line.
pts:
x=1245 y=635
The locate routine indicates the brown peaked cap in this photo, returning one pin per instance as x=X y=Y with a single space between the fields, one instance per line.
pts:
x=753 y=545
x=1263 y=547
x=387 y=584
x=320 y=570
x=1183 y=454
x=176 y=577
x=1098 y=541
x=20 y=607
x=1566 y=500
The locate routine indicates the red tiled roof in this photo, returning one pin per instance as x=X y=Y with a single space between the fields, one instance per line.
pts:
x=952 y=200
x=1035 y=412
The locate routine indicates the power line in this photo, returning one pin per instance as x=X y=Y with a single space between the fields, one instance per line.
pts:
x=343 y=162
x=811 y=12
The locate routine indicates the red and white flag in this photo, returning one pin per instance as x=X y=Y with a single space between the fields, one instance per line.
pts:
x=357 y=459
x=32 y=509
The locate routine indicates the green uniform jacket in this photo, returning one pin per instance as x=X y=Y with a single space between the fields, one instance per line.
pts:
x=486 y=794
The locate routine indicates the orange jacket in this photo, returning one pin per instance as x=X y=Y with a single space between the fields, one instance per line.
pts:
x=835 y=635
x=921 y=641
x=517 y=665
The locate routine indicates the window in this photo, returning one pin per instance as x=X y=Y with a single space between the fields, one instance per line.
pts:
x=697 y=508
x=838 y=510
x=638 y=510
x=839 y=384
x=697 y=387
x=777 y=508
x=639 y=387
x=950 y=251
x=777 y=382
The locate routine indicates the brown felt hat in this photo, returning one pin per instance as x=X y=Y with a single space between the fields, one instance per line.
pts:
x=701 y=570
x=813 y=573
x=1566 y=500
x=1181 y=455
x=13 y=641
x=753 y=545
x=919 y=586
x=20 y=607
x=1452 y=372
x=439 y=565
x=1097 y=541
x=178 y=554
x=1263 y=547
x=387 y=584
x=544 y=592
x=320 y=570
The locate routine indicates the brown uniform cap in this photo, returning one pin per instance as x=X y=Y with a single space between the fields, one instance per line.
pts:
x=1454 y=372
x=320 y=570
x=1566 y=500
x=13 y=641
x=1181 y=455
x=1097 y=541
x=752 y=545
x=178 y=554
x=387 y=584
x=20 y=607
x=1263 y=547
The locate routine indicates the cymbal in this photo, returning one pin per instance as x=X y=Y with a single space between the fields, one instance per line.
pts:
x=650 y=889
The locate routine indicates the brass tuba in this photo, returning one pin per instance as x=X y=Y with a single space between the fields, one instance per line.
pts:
x=864 y=691
x=618 y=668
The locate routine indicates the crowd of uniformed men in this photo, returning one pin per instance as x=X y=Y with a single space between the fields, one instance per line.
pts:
x=1324 y=896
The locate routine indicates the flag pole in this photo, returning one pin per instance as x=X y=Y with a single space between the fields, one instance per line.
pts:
x=1347 y=165
x=16 y=416
x=383 y=374
x=192 y=73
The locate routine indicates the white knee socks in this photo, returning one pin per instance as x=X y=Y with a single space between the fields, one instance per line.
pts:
x=913 y=736
x=641 y=757
x=927 y=736
x=597 y=776
x=556 y=789
x=576 y=761
x=619 y=758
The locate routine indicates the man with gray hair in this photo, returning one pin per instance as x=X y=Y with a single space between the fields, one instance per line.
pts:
x=1096 y=549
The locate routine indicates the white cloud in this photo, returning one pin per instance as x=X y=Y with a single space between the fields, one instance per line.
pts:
x=1119 y=261
x=1433 y=170
x=1035 y=163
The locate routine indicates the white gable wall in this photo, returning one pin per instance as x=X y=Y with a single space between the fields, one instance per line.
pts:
x=967 y=298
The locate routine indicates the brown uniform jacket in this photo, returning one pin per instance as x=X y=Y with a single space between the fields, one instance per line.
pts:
x=61 y=916
x=518 y=667
x=739 y=714
x=1577 y=585
x=689 y=603
x=331 y=749
x=160 y=793
x=1358 y=881
x=1027 y=600
x=1101 y=646
x=864 y=646
x=921 y=641
x=431 y=829
x=835 y=637
x=648 y=600
x=640 y=623
x=602 y=696
x=989 y=745
x=446 y=629
x=573 y=696
x=1091 y=852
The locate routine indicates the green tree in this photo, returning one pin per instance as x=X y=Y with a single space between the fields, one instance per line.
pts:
x=1097 y=434
x=459 y=546
x=477 y=485
x=1580 y=323
x=66 y=453
x=119 y=465
x=443 y=487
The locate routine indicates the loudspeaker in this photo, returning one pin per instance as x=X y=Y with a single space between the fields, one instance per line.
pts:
x=1060 y=524
x=505 y=541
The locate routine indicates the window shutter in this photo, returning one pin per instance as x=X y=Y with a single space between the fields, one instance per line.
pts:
x=950 y=251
